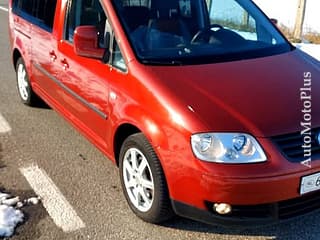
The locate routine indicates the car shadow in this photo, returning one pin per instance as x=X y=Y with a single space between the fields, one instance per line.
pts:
x=304 y=227
x=41 y=104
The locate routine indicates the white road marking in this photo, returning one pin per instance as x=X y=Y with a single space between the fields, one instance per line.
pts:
x=57 y=206
x=4 y=9
x=4 y=125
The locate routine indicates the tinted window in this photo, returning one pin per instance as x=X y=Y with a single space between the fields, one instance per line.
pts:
x=23 y=6
x=117 y=58
x=90 y=12
x=197 y=31
x=39 y=12
x=85 y=12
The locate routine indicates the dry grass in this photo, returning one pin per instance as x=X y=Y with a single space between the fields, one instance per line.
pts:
x=311 y=37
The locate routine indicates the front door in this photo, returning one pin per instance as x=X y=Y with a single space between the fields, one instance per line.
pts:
x=84 y=81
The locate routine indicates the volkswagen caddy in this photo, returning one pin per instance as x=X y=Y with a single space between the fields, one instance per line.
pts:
x=205 y=107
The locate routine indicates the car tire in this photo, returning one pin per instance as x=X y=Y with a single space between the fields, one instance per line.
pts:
x=143 y=181
x=27 y=96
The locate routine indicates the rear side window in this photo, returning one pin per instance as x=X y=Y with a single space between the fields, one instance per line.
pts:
x=38 y=12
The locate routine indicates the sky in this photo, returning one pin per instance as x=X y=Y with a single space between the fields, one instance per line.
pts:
x=285 y=12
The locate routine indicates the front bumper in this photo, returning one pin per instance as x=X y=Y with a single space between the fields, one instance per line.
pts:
x=254 y=200
x=252 y=215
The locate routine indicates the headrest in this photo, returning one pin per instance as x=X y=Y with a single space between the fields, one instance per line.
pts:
x=164 y=13
x=134 y=10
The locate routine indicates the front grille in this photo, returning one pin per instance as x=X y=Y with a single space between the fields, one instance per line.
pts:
x=275 y=211
x=298 y=206
x=291 y=145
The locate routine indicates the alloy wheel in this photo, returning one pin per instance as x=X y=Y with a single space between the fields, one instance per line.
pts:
x=138 y=179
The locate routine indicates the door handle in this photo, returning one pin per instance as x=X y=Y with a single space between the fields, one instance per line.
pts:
x=65 y=64
x=53 y=56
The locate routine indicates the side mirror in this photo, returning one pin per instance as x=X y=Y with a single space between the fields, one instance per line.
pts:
x=86 y=42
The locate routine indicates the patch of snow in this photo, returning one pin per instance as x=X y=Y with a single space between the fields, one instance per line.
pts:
x=19 y=205
x=3 y=196
x=33 y=200
x=311 y=49
x=10 y=201
x=10 y=215
x=9 y=218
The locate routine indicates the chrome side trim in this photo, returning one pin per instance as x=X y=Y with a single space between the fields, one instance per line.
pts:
x=68 y=90
x=22 y=33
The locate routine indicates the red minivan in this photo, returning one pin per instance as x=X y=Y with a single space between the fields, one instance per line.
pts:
x=207 y=110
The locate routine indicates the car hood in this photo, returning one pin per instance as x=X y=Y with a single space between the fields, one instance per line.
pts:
x=260 y=96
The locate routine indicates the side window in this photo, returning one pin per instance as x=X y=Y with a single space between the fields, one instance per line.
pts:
x=38 y=12
x=84 y=12
x=45 y=11
x=90 y=12
x=22 y=6
x=117 y=58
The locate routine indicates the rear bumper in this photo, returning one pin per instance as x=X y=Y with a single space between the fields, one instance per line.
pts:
x=252 y=215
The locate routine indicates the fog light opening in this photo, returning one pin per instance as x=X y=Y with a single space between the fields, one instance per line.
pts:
x=222 y=208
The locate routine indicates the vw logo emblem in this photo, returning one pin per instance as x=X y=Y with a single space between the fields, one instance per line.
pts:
x=318 y=138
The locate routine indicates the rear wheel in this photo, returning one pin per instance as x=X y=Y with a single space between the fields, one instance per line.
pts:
x=26 y=93
x=143 y=181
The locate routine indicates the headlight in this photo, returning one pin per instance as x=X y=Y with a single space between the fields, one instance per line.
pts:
x=227 y=148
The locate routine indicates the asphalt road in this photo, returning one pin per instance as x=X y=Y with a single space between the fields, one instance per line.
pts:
x=88 y=180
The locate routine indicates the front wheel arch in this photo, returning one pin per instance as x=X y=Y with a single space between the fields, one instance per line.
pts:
x=121 y=134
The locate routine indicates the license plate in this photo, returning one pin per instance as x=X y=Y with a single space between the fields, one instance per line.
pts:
x=310 y=183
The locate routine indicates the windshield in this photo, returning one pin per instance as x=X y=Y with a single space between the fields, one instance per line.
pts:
x=198 y=31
